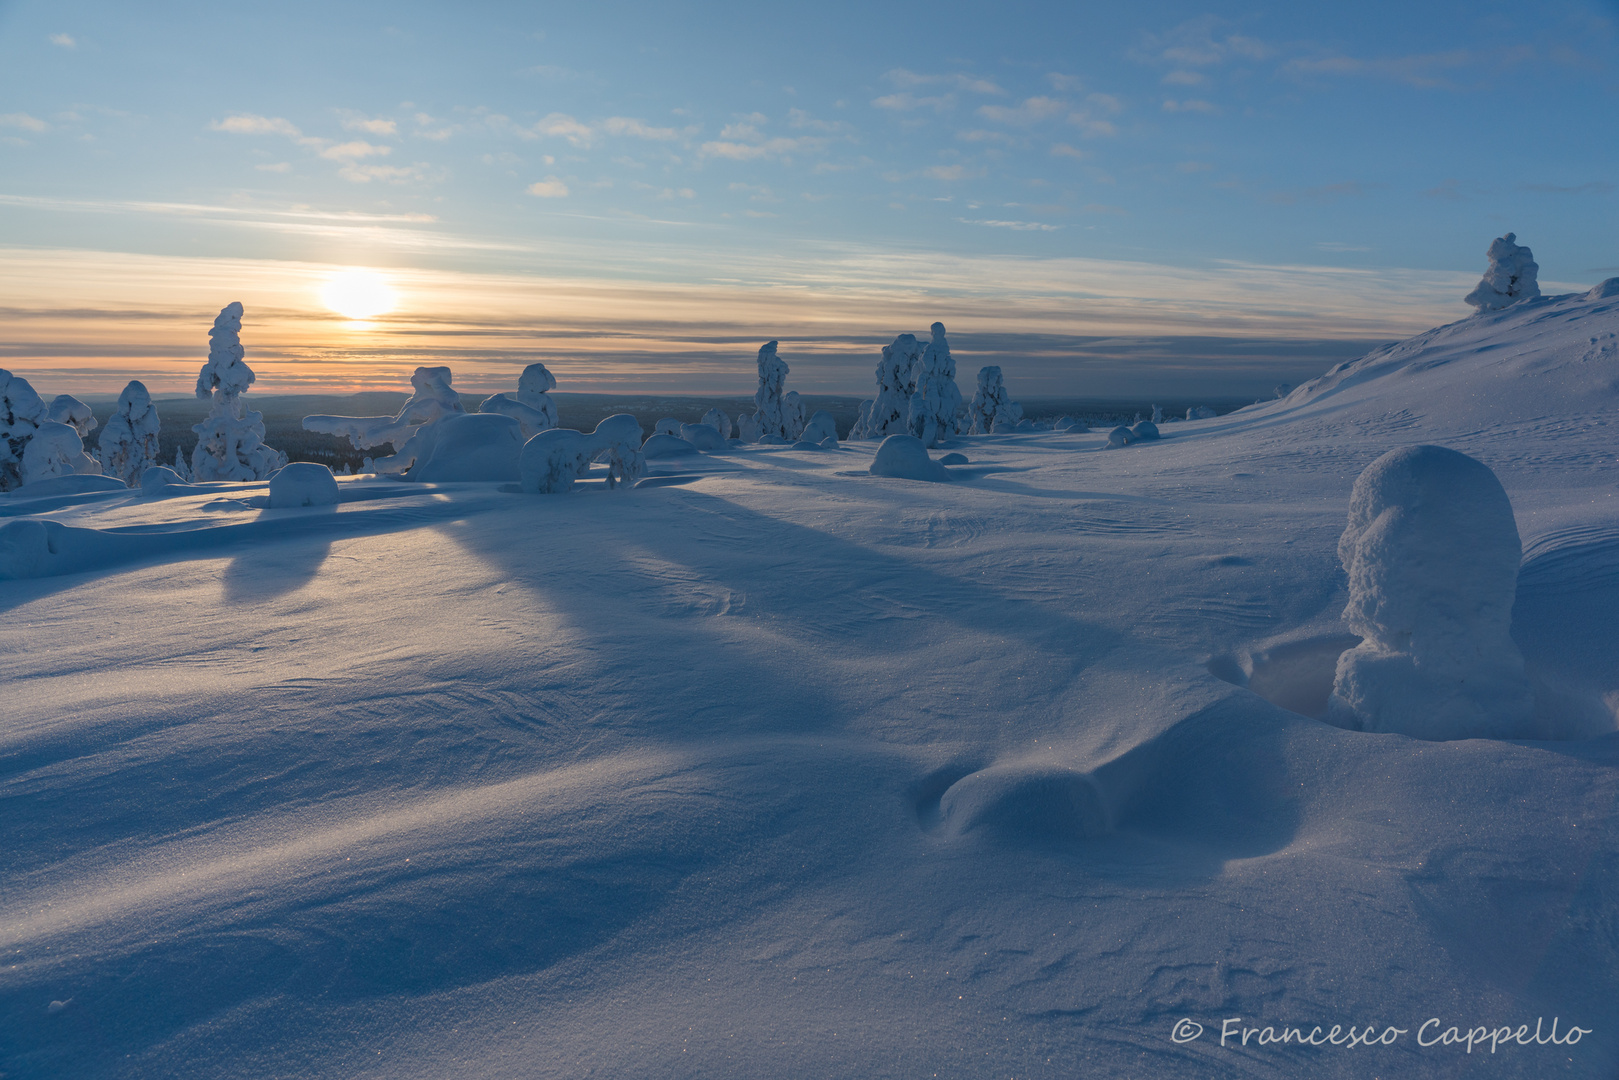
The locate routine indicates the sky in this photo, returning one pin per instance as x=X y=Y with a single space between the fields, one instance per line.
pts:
x=1107 y=200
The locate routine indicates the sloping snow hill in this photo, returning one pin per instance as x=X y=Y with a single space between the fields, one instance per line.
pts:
x=772 y=767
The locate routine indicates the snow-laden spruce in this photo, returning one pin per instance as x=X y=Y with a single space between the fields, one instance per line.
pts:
x=55 y=451
x=128 y=445
x=886 y=414
x=717 y=420
x=552 y=460
x=230 y=440
x=992 y=407
x=432 y=400
x=69 y=410
x=936 y=401
x=1511 y=276
x=773 y=414
x=821 y=427
x=21 y=412
x=532 y=406
x=1432 y=553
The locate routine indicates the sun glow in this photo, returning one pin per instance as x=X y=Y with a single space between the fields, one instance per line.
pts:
x=358 y=294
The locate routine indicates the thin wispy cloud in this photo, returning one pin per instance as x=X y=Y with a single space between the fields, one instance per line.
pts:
x=973 y=84
x=1029 y=111
x=1190 y=105
x=64 y=41
x=907 y=102
x=549 y=188
x=371 y=125
x=22 y=121
x=1015 y=226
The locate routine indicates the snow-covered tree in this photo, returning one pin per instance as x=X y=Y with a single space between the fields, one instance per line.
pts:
x=936 y=400
x=69 y=410
x=1511 y=276
x=719 y=422
x=531 y=406
x=55 y=450
x=129 y=441
x=772 y=413
x=886 y=414
x=21 y=413
x=792 y=415
x=432 y=400
x=230 y=440
x=992 y=408
x=1432 y=552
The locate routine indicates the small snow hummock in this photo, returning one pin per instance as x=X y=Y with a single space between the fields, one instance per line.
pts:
x=1145 y=431
x=906 y=457
x=991 y=406
x=1604 y=290
x=773 y=413
x=433 y=400
x=886 y=414
x=21 y=413
x=128 y=444
x=717 y=420
x=661 y=444
x=936 y=400
x=1119 y=437
x=1200 y=412
x=157 y=477
x=1510 y=277
x=1432 y=553
x=531 y=406
x=303 y=483
x=703 y=436
x=230 y=440
x=552 y=460
x=468 y=447
x=69 y=410
x=667 y=426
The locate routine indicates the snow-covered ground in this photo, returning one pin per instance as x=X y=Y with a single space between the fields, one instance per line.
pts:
x=771 y=767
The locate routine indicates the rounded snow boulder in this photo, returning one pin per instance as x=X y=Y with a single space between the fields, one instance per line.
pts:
x=703 y=436
x=1602 y=290
x=660 y=445
x=158 y=477
x=469 y=446
x=905 y=457
x=1146 y=430
x=822 y=426
x=303 y=483
x=1120 y=436
x=953 y=459
x=1432 y=552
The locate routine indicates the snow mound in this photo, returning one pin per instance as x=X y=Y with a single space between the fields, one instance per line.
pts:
x=159 y=477
x=432 y=399
x=667 y=426
x=1604 y=290
x=991 y=406
x=1027 y=802
x=661 y=445
x=953 y=459
x=936 y=399
x=75 y=484
x=1200 y=412
x=1146 y=431
x=1120 y=436
x=1432 y=553
x=471 y=446
x=703 y=436
x=1068 y=423
x=552 y=460
x=303 y=483
x=905 y=457
x=821 y=427
x=1510 y=277
x=532 y=406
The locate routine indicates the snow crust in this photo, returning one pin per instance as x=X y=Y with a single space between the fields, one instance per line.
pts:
x=1510 y=277
x=1432 y=554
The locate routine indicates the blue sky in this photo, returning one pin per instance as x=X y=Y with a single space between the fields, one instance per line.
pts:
x=648 y=187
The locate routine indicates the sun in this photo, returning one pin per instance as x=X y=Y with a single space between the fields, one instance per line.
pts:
x=358 y=294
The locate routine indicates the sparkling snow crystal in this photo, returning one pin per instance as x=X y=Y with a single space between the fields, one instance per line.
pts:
x=1510 y=277
x=129 y=441
x=991 y=406
x=230 y=441
x=937 y=399
x=1432 y=553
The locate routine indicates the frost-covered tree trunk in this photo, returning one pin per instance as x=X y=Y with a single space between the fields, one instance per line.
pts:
x=21 y=413
x=936 y=400
x=230 y=441
x=129 y=441
x=1512 y=276
x=992 y=408
x=532 y=406
x=896 y=376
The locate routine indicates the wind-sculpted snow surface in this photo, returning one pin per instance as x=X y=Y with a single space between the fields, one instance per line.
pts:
x=128 y=445
x=992 y=406
x=1432 y=554
x=777 y=768
x=931 y=412
x=532 y=406
x=230 y=440
x=432 y=399
x=1511 y=276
